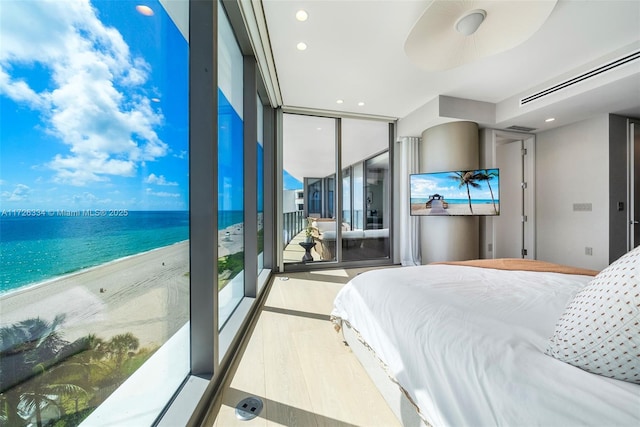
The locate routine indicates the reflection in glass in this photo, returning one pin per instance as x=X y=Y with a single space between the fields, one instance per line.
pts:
x=313 y=190
x=260 y=182
x=347 y=212
x=376 y=235
x=364 y=153
x=230 y=172
x=358 y=196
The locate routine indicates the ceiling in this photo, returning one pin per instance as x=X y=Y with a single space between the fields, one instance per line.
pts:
x=355 y=53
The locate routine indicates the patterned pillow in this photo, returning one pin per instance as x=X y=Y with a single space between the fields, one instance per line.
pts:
x=599 y=330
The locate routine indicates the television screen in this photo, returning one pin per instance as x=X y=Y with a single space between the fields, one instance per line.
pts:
x=455 y=193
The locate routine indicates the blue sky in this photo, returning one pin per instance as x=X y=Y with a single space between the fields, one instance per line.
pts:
x=289 y=182
x=93 y=107
x=424 y=185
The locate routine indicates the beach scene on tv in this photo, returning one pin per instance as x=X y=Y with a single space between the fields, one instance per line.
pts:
x=455 y=193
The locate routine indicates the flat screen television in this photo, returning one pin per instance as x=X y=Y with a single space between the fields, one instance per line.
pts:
x=455 y=193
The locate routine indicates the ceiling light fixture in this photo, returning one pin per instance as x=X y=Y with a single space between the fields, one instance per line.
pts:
x=449 y=34
x=301 y=46
x=469 y=23
x=339 y=101
x=550 y=119
x=301 y=15
x=360 y=104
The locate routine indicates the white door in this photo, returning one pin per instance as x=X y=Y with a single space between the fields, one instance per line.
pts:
x=512 y=233
x=508 y=226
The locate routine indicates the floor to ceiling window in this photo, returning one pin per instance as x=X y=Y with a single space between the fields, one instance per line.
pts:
x=361 y=231
x=260 y=182
x=230 y=171
x=94 y=229
x=309 y=149
x=365 y=145
x=108 y=255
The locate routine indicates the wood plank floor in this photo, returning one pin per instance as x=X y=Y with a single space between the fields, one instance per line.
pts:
x=298 y=365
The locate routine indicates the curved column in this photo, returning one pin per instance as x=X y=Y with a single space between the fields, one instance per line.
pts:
x=449 y=147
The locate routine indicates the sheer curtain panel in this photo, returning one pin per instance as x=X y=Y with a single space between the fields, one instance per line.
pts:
x=409 y=225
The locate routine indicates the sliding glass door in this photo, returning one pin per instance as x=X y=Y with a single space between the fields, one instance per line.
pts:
x=361 y=230
x=365 y=145
x=309 y=168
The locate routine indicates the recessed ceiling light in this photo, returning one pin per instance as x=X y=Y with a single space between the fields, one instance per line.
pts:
x=301 y=46
x=550 y=119
x=360 y=104
x=301 y=15
x=339 y=101
x=144 y=10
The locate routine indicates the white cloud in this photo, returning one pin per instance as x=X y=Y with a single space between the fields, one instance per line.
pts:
x=84 y=198
x=19 y=91
x=20 y=193
x=95 y=103
x=422 y=187
x=159 y=180
x=150 y=192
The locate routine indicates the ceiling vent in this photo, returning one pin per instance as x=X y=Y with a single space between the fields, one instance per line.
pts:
x=520 y=128
x=581 y=77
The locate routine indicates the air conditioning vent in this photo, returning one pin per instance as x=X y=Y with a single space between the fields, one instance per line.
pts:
x=582 y=77
x=520 y=128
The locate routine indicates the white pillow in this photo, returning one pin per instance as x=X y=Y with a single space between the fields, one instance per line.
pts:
x=599 y=330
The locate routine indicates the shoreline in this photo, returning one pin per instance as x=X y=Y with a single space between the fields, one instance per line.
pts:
x=27 y=287
x=225 y=247
x=146 y=294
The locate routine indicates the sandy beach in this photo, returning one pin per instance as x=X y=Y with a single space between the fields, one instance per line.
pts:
x=145 y=294
x=456 y=209
x=231 y=240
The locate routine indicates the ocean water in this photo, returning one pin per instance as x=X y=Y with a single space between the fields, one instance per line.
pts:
x=454 y=201
x=37 y=248
x=227 y=218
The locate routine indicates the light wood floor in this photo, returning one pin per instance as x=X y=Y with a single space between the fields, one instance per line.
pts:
x=298 y=365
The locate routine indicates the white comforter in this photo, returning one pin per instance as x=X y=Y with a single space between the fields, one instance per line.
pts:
x=468 y=345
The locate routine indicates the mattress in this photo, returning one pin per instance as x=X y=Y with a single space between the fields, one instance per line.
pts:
x=467 y=346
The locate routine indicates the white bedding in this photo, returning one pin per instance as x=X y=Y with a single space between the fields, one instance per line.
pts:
x=467 y=344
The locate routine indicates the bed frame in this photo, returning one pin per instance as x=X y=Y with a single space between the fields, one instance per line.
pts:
x=400 y=404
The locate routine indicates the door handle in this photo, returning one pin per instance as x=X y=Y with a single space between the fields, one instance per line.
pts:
x=634 y=222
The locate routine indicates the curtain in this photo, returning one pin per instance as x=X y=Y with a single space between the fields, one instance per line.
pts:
x=409 y=225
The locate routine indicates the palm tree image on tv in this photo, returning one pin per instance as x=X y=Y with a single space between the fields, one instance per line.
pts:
x=455 y=193
x=466 y=178
x=486 y=176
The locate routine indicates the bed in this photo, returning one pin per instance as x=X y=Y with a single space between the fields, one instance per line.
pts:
x=472 y=344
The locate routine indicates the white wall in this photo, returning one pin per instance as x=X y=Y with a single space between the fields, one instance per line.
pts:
x=289 y=201
x=572 y=166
